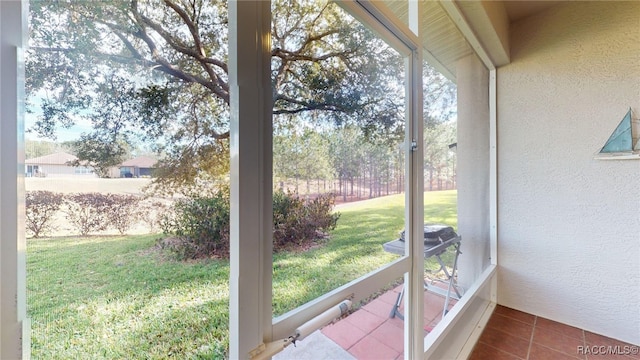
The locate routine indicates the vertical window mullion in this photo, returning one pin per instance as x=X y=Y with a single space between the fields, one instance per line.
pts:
x=250 y=324
x=414 y=280
x=14 y=324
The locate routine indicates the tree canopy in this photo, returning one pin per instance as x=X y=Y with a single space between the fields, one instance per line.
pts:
x=156 y=71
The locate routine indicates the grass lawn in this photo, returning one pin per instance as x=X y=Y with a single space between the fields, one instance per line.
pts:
x=118 y=297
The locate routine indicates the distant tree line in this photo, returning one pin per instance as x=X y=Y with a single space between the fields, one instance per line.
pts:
x=351 y=165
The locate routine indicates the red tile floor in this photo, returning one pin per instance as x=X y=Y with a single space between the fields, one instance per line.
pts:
x=512 y=334
x=369 y=333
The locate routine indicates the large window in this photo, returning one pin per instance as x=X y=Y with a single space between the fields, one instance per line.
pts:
x=339 y=133
x=124 y=262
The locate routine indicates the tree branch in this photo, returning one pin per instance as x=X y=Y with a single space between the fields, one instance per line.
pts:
x=168 y=68
x=306 y=106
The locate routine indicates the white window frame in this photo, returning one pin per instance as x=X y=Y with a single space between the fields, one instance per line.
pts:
x=14 y=325
x=252 y=330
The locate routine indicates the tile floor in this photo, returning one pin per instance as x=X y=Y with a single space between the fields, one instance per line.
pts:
x=515 y=335
x=370 y=333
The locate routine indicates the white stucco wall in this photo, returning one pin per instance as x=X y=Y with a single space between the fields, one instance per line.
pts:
x=569 y=225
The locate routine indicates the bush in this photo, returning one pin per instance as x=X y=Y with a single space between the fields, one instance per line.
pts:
x=296 y=221
x=41 y=207
x=153 y=214
x=202 y=224
x=88 y=212
x=320 y=212
x=122 y=211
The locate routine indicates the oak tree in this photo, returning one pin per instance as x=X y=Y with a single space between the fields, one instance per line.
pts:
x=156 y=71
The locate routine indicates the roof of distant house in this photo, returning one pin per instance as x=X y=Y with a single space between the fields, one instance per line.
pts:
x=61 y=158
x=141 y=162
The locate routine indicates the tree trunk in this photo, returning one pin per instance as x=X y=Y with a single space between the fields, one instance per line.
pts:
x=387 y=186
x=372 y=177
x=430 y=178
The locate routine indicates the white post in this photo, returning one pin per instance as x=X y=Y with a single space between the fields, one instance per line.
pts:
x=14 y=326
x=250 y=314
x=414 y=205
x=493 y=167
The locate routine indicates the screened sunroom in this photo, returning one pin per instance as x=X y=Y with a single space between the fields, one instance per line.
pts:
x=545 y=228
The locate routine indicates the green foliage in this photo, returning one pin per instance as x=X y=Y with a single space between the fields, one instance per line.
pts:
x=99 y=153
x=41 y=207
x=439 y=159
x=297 y=221
x=152 y=214
x=88 y=212
x=35 y=148
x=355 y=248
x=202 y=226
x=123 y=211
x=158 y=71
x=192 y=170
x=300 y=155
x=346 y=152
x=108 y=144
x=321 y=214
x=117 y=298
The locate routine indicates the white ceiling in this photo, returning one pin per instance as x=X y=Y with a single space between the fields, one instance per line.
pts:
x=443 y=43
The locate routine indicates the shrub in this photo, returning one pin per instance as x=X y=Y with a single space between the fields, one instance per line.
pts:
x=320 y=212
x=297 y=221
x=41 y=207
x=88 y=212
x=288 y=211
x=153 y=214
x=203 y=225
x=167 y=220
x=122 y=211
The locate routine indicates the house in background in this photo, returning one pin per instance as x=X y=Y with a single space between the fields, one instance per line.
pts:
x=60 y=165
x=55 y=165
x=140 y=166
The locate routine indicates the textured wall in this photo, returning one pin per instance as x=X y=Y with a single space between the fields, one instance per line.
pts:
x=473 y=168
x=569 y=225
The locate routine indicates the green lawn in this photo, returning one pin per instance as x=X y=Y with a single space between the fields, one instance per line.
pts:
x=118 y=297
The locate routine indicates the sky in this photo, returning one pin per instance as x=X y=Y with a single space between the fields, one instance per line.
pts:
x=62 y=135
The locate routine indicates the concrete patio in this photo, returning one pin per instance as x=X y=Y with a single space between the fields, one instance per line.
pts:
x=367 y=333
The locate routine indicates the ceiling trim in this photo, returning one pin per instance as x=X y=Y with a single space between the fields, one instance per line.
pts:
x=458 y=17
x=436 y=64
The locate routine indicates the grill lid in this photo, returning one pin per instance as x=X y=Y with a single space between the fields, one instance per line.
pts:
x=435 y=234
